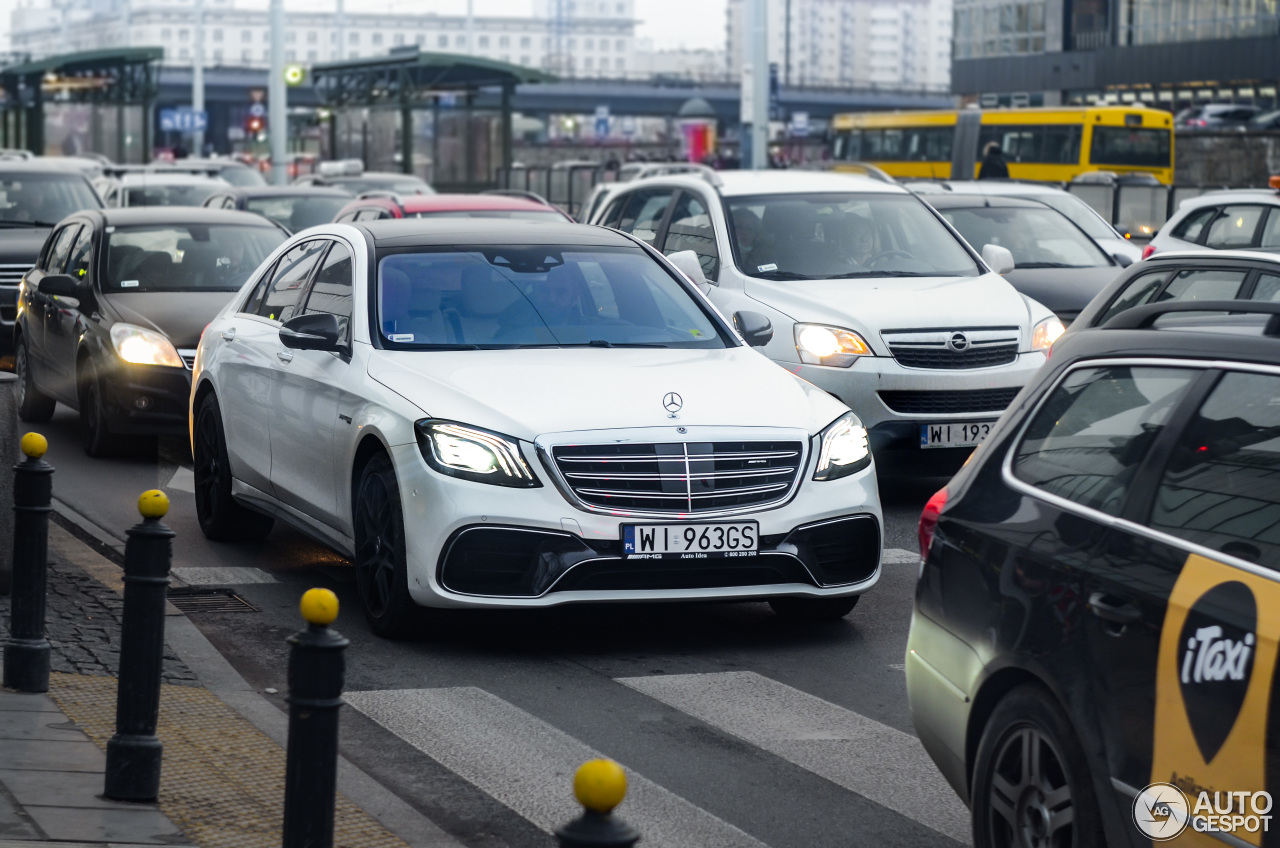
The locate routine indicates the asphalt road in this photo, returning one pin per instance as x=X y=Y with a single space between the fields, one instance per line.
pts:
x=737 y=728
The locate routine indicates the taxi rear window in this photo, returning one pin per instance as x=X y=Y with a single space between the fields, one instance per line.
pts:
x=1221 y=485
x=1088 y=440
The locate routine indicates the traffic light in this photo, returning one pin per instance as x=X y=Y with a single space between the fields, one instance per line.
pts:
x=255 y=124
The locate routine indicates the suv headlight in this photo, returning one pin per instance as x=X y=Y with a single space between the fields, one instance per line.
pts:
x=144 y=347
x=844 y=449
x=1046 y=333
x=819 y=344
x=473 y=454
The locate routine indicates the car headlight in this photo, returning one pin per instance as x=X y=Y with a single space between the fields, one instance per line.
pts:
x=844 y=449
x=473 y=454
x=1046 y=333
x=818 y=344
x=144 y=347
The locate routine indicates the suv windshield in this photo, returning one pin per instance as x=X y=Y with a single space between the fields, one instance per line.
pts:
x=830 y=236
x=541 y=296
x=185 y=257
x=1037 y=238
x=43 y=198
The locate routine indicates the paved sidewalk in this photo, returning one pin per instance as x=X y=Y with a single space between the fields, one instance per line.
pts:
x=222 y=781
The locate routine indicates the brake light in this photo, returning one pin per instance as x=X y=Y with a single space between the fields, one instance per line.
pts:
x=929 y=520
x=1148 y=250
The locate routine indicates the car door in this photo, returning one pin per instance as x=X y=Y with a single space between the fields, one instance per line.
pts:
x=308 y=399
x=250 y=369
x=42 y=306
x=63 y=324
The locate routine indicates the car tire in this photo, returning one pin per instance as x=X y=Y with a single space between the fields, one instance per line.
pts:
x=1030 y=771
x=813 y=609
x=381 y=574
x=221 y=518
x=95 y=433
x=33 y=407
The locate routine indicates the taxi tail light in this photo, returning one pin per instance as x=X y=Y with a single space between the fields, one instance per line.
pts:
x=1148 y=250
x=929 y=520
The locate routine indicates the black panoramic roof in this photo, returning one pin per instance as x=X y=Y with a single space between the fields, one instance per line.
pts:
x=409 y=232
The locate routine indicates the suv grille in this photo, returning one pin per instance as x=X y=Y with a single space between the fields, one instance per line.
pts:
x=11 y=275
x=981 y=400
x=680 y=477
x=979 y=348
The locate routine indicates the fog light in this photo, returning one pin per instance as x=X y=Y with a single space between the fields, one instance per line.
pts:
x=142 y=402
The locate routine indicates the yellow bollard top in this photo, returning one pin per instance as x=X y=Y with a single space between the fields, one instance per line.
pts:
x=34 y=445
x=600 y=785
x=319 y=606
x=153 y=503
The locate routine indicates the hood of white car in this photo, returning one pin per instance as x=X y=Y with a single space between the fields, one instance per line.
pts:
x=525 y=393
x=919 y=303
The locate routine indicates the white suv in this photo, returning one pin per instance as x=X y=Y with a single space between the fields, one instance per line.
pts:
x=872 y=296
x=487 y=413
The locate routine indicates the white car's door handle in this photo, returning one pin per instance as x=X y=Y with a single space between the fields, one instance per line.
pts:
x=229 y=335
x=284 y=356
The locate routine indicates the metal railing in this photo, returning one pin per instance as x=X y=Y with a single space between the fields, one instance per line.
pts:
x=565 y=184
x=1138 y=209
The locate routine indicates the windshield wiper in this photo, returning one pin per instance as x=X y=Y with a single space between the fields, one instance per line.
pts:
x=24 y=224
x=603 y=343
x=782 y=275
x=445 y=347
x=1021 y=265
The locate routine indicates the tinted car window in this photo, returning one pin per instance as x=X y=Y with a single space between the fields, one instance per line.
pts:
x=1192 y=227
x=690 y=229
x=297 y=213
x=81 y=254
x=1140 y=290
x=1271 y=232
x=643 y=214
x=61 y=251
x=44 y=198
x=543 y=296
x=1267 y=288
x=181 y=257
x=280 y=300
x=331 y=291
x=1221 y=488
x=1087 y=441
x=1204 y=284
x=1234 y=227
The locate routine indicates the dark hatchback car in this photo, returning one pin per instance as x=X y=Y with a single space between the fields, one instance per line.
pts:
x=1098 y=606
x=34 y=197
x=1054 y=261
x=111 y=314
x=293 y=207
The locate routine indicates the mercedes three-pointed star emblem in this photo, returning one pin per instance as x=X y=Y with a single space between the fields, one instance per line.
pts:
x=672 y=402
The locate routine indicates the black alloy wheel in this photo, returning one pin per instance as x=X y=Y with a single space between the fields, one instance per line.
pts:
x=1031 y=785
x=221 y=518
x=381 y=573
x=813 y=609
x=95 y=433
x=33 y=407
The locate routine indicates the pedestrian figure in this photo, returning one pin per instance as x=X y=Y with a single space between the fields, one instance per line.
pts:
x=994 y=166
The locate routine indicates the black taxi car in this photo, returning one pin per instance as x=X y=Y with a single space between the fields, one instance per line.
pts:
x=1097 y=614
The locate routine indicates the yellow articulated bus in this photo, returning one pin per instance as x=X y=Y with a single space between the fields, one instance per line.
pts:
x=1052 y=144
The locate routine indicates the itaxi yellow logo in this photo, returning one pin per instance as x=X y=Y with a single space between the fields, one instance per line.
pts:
x=1218 y=649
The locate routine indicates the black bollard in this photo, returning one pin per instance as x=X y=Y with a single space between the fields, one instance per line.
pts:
x=26 y=655
x=599 y=785
x=316 y=670
x=134 y=753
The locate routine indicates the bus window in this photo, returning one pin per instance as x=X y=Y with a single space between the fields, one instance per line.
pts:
x=1061 y=144
x=873 y=145
x=1052 y=144
x=893 y=147
x=1127 y=146
x=929 y=145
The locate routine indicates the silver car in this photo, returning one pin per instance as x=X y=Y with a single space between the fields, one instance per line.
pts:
x=870 y=294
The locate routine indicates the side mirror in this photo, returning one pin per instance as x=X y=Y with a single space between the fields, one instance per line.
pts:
x=60 y=285
x=687 y=262
x=317 y=331
x=998 y=258
x=756 y=329
x=1122 y=260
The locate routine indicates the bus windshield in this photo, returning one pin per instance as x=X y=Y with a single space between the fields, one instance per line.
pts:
x=1128 y=146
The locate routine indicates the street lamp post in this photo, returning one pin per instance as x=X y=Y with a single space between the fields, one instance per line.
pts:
x=197 y=80
x=278 y=111
x=759 y=83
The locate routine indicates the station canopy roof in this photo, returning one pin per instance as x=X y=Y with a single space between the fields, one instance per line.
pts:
x=409 y=75
x=86 y=60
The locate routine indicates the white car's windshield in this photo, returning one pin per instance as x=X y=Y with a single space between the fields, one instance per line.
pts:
x=1037 y=238
x=539 y=296
x=829 y=236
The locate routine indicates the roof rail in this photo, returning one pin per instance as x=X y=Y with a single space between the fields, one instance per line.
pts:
x=873 y=171
x=1143 y=317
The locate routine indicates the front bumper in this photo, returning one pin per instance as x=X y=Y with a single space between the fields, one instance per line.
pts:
x=477 y=545
x=145 y=399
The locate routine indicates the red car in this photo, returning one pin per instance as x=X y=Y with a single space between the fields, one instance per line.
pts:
x=375 y=207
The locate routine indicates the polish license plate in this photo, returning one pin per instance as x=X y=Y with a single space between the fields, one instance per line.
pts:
x=965 y=435
x=690 y=541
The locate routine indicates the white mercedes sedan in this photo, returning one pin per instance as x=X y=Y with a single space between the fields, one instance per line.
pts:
x=516 y=414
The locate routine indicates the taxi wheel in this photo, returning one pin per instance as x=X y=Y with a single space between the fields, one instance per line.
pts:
x=95 y=433
x=1031 y=786
x=813 y=609
x=33 y=407
x=221 y=518
x=381 y=574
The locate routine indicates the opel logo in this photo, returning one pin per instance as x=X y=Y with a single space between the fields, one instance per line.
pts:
x=672 y=402
x=958 y=342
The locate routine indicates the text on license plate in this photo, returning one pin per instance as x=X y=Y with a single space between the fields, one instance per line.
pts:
x=966 y=435
x=690 y=541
